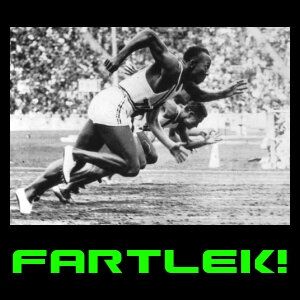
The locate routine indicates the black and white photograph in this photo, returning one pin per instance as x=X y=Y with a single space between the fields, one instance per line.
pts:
x=149 y=125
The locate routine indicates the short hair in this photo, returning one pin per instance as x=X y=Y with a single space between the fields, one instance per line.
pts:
x=196 y=107
x=193 y=52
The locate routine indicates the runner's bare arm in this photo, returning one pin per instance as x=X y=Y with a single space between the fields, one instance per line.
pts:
x=210 y=138
x=155 y=127
x=173 y=136
x=175 y=148
x=182 y=132
x=190 y=144
x=195 y=144
x=144 y=39
x=199 y=95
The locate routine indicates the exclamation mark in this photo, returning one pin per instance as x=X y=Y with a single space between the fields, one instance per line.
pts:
x=282 y=261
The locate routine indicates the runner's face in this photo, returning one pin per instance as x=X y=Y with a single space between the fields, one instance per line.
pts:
x=200 y=71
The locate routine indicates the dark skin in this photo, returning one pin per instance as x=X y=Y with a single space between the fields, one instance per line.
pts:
x=52 y=175
x=185 y=118
x=202 y=96
x=163 y=74
x=165 y=71
x=196 y=93
x=119 y=139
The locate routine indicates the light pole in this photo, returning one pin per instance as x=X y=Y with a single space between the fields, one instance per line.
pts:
x=114 y=52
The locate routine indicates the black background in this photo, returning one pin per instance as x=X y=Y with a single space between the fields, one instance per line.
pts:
x=189 y=242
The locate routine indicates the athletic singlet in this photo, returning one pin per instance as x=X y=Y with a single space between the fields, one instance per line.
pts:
x=169 y=123
x=141 y=95
x=164 y=122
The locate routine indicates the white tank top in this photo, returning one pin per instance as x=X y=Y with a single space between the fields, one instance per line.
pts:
x=164 y=122
x=169 y=123
x=141 y=95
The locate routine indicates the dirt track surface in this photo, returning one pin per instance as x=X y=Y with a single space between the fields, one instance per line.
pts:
x=166 y=193
x=241 y=198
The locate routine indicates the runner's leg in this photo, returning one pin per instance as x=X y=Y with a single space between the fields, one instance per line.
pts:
x=124 y=157
x=53 y=174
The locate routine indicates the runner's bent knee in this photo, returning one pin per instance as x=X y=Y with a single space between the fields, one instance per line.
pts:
x=132 y=168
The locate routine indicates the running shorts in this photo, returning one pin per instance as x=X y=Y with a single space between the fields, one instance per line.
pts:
x=111 y=107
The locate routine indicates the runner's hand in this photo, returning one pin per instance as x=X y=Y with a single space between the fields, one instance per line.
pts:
x=236 y=89
x=178 y=152
x=213 y=137
x=112 y=65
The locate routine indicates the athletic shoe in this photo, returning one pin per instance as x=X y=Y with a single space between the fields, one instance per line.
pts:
x=69 y=163
x=25 y=206
x=63 y=197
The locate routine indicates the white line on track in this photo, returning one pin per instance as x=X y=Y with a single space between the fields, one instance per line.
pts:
x=37 y=169
x=26 y=168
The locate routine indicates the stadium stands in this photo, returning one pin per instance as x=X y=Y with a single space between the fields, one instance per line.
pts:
x=47 y=62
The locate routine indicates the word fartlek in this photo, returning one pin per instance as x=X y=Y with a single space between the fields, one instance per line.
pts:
x=213 y=261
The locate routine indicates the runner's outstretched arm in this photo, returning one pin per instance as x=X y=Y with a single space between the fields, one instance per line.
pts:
x=190 y=144
x=194 y=144
x=144 y=39
x=210 y=138
x=175 y=148
x=199 y=95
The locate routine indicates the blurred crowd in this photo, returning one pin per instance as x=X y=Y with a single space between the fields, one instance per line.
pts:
x=47 y=62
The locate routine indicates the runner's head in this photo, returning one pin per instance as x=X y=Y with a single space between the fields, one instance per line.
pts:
x=198 y=62
x=193 y=114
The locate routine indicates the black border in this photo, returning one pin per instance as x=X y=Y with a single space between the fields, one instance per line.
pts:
x=188 y=241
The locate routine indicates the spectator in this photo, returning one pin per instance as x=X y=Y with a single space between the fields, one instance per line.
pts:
x=47 y=62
